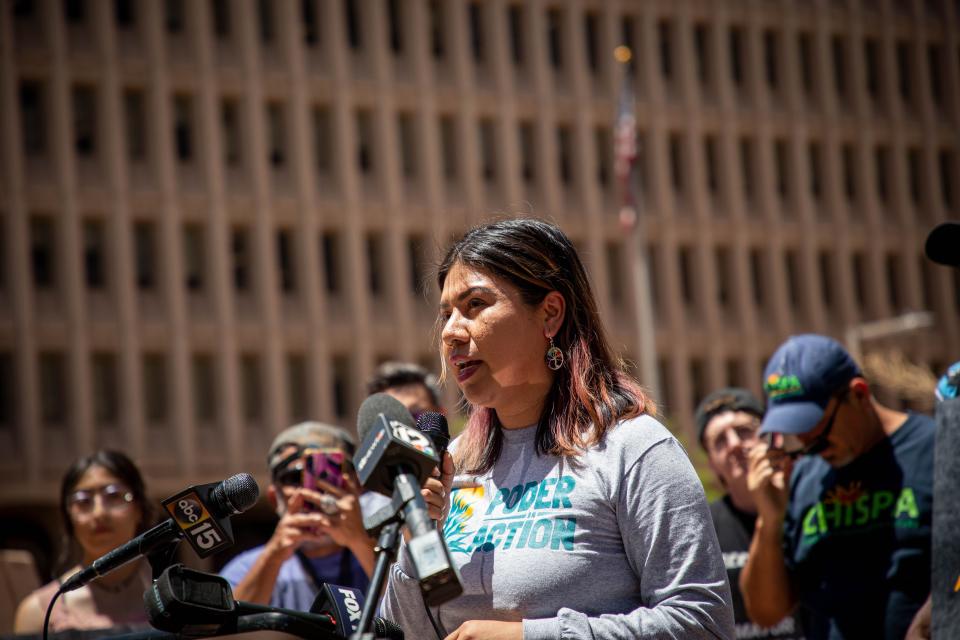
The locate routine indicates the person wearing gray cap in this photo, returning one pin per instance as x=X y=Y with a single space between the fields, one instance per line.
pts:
x=847 y=539
x=320 y=536
x=727 y=422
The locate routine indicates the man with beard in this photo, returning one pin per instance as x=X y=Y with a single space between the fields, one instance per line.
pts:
x=727 y=423
x=320 y=536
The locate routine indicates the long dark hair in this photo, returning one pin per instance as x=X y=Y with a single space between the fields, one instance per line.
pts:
x=592 y=391
x=120 y=466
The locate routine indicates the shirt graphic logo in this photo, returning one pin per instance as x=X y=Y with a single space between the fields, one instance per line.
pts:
x=523 y=516
x=852 y=507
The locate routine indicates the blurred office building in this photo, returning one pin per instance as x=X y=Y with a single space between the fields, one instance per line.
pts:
x=217 y=217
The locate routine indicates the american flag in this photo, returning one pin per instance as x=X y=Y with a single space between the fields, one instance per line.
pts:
x=625 y=137
x=625 y=153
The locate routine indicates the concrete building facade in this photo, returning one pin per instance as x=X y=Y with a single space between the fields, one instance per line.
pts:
x=217 y=217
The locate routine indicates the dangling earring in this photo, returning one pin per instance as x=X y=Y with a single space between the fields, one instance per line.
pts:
x=554 y=356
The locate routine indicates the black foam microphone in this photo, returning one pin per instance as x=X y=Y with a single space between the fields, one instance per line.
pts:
x=200 y=513
x=395 y=458
x=434 y=425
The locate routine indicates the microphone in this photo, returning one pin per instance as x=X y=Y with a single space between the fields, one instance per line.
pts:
x=343 y=606
x=200 y=513
x=194 y=603
x=434 y=425
x=395 y=458
x=389 y=440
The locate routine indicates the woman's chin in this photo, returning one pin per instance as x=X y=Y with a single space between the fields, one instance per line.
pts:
x=473 y=393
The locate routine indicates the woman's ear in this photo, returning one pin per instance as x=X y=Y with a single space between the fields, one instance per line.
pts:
x=554 y=308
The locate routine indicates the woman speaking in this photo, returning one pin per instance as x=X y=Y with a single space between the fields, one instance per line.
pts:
x=586 y=519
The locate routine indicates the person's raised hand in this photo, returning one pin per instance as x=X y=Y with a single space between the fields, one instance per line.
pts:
x=339 y=511
x=436 y=490
x=768 y=479
x=297 y=526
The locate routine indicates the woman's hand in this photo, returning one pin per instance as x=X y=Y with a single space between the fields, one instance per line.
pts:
x=436 y=490
x=488 y=630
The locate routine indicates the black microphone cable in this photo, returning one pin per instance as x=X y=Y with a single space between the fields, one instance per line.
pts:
x=46 y=617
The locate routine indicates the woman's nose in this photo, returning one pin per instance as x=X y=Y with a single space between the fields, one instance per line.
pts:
x=99 y=507
x=452 y=331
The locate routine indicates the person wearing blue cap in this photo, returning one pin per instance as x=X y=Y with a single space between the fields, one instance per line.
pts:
x=848 y=538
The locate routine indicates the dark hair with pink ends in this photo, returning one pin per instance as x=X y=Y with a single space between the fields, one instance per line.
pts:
x=592 y=391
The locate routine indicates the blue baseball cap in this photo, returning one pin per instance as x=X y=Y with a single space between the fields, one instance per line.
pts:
x=801 y=377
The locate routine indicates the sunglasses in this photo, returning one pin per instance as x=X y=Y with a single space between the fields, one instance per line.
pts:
x=818 y=445
x=113 y=497
x=304 y=471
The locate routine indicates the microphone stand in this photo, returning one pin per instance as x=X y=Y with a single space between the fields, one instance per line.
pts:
x=162 y=557
x=387 y=547
x=386 y=522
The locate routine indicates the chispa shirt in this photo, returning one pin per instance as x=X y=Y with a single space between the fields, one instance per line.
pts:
x=857 y=538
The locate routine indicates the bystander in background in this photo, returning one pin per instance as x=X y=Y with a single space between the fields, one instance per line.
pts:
x=320 y=536
x=409 y=383
x=940 y=617
x=103 y=504
x=728 y=421
x=848 y=538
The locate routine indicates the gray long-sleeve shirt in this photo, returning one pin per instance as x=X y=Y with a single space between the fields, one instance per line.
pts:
x=616 y=543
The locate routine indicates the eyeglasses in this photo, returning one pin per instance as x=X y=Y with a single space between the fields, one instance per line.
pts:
x=819 y=444
x=113 y=497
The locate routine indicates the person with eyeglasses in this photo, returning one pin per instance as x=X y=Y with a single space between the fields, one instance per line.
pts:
x=728 y=422
x=103 y=504
x=319 y=537
x=844 y=491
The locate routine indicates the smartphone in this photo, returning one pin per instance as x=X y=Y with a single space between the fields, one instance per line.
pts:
x=323 y=465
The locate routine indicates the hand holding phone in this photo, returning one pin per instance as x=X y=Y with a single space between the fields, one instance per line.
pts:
x=326 y=466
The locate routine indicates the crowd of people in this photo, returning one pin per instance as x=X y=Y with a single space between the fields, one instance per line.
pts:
x=569 y=510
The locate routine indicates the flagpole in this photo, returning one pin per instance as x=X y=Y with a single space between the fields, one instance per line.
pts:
x=625 y=135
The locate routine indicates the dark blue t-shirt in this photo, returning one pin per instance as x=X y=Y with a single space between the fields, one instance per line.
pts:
x=857 y=538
